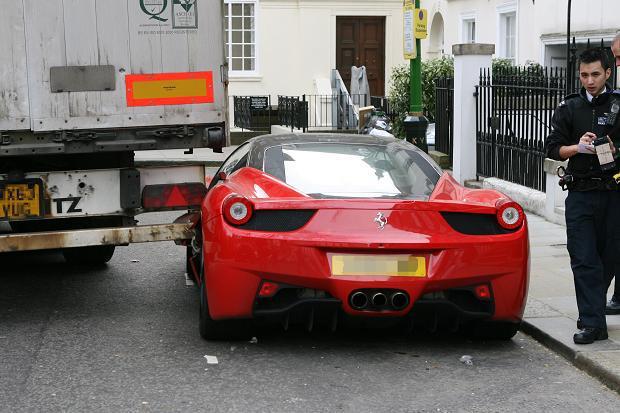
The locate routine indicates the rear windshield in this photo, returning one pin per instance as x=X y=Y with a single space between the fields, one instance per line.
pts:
x=337 y=170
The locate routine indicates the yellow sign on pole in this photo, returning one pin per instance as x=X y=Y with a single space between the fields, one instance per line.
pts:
x=421 y=23
x=409 y=49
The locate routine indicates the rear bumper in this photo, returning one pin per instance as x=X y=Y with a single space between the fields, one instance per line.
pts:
x=432 y=313
x=91 y=237
x=236 y=267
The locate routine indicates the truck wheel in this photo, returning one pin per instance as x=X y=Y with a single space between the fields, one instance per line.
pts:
x=211 y=329
x=95 y=255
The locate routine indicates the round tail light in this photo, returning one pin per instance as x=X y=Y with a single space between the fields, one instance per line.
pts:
x=510 y=215
x=237 y=210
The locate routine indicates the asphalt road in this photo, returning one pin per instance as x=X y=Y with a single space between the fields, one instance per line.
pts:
x=125 y=338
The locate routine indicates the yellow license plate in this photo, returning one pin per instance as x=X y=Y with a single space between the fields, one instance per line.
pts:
x=20 y=200
x=401 y=265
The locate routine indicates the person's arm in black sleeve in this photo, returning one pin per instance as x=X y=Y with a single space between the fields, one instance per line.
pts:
x=560 y=135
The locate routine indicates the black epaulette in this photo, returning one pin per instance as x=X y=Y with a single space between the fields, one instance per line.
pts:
x=569 y=97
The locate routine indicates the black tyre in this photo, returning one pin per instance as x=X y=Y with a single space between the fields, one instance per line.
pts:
x=95 y=255
x=493 y=330
x=219 y=330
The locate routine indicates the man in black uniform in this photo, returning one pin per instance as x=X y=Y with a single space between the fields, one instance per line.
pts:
x=593 y=202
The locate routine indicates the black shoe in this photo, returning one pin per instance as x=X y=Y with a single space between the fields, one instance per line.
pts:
x=613 y=306
x=588 y=335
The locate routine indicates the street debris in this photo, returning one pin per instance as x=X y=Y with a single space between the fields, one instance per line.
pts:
x=467 y=360
x=189 y=281
x=233 y=348
x=254 y=340
x=135 y=260
x=211 y=359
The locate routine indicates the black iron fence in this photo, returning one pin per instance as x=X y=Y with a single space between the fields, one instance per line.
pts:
x=293 y=112
x=335 y=112
x=305 y=112
x=253 y=113
x=513 y=117
x=444 y=116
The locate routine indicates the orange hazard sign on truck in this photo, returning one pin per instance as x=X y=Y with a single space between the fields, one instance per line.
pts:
x=169 y=89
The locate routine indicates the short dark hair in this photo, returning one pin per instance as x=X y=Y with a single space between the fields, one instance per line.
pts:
x=594 y=55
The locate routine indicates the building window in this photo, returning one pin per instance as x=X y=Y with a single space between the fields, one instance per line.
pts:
x=508 y=37
x=468 y=28
x=240 y=22
x=469 y=34
x=507 y=34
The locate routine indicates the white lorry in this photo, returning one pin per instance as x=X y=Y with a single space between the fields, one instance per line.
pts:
x=83 y=85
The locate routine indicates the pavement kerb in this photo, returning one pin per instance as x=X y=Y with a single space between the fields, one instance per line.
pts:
x=579 y=359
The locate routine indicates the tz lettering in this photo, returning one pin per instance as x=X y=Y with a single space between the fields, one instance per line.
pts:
x=71 y=202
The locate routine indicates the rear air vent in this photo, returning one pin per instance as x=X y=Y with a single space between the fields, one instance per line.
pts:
x=475 y=224
x=275 y=220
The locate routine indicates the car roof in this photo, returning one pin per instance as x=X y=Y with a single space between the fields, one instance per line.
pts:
x=266 y=141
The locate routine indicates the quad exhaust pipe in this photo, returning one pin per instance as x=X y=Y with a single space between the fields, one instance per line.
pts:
x=399 y=300
x=358 y=300
x=379 y=300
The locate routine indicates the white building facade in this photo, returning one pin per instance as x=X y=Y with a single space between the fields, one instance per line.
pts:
x=522 y=30
x=289 y=47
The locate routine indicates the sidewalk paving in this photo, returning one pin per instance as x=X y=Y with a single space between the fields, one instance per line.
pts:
x=551 y=311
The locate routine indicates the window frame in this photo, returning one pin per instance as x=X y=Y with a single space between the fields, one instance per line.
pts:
x=503 y=11
x=229 y=167
x=428 y=168
x=465 y=20
x=228 y=39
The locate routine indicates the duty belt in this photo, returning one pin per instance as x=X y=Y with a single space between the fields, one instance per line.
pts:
x=593 y=184
x=577 y=183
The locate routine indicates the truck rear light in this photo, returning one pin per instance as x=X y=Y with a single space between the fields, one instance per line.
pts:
x=173 y=196
x=237 y=210
x=510 y=215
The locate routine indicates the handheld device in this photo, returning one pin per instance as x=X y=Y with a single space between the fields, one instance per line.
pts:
x=604 y=153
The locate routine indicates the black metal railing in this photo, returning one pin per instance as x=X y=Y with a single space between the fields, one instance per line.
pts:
x=444 y=116
x=305 y=112
x=253 y=113
x=513 y=118
x=293 y=112
x=321 y=112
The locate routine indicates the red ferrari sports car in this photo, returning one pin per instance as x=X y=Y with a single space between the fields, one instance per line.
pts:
x=321 y=229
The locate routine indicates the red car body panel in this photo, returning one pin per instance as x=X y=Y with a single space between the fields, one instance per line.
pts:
x=237 y=260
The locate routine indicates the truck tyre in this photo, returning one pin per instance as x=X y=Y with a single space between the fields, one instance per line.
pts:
x=95 y=255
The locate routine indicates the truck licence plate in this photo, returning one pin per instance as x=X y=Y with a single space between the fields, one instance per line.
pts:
x=20 y=200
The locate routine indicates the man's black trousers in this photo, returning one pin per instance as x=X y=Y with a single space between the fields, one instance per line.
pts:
x=593 y=236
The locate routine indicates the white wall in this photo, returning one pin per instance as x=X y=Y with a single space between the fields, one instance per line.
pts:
x=539 y=24
x=297 y=43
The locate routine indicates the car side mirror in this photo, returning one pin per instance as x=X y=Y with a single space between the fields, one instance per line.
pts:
x=222 y=176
